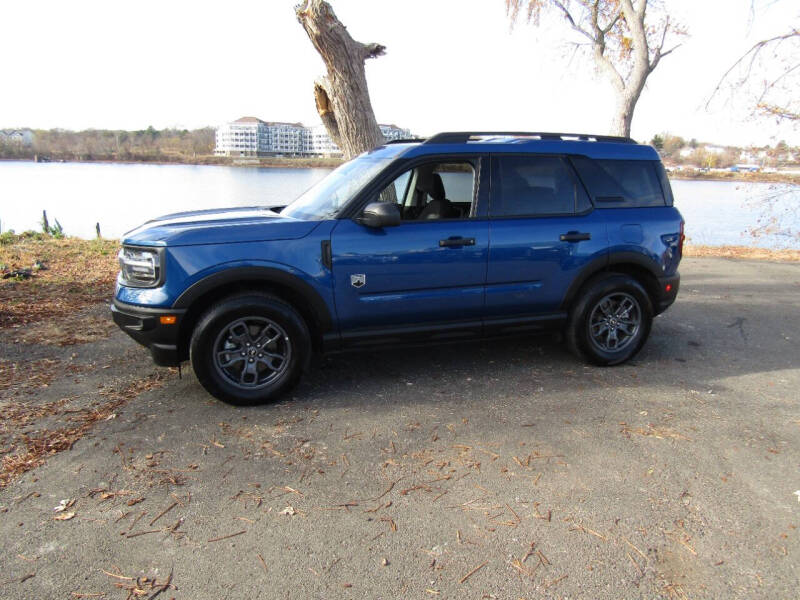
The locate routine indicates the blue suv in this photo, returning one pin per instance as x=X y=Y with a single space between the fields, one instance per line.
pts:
x=461 y=236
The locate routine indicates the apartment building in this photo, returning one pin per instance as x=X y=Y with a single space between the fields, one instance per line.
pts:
x=23 y=137
x=250 y=136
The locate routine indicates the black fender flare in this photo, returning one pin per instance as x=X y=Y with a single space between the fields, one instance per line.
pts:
x=265 y=275
x=605 y=263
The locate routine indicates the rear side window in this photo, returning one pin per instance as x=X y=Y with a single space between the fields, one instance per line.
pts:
x=621 y=183
x=535 y=186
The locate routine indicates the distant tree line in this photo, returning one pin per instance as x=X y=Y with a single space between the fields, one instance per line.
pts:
x=676 y=150
x=163 y=145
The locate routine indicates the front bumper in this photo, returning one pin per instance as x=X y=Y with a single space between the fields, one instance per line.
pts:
x=668 y=291
x=144 y=325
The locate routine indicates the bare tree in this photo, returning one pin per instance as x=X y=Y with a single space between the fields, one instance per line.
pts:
x=770 y=71
x=342 y=97
x=624 y=40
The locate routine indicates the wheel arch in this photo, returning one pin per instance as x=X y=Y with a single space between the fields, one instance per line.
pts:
x=286 y=286
x=638 y=266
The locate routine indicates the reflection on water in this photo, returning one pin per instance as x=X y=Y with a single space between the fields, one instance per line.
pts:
x=122 y=196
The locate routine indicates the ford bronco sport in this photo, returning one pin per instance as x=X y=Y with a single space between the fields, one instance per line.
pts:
x=457 y=237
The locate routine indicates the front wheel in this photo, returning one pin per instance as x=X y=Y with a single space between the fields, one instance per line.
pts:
x=611 y=321
x=249 y=349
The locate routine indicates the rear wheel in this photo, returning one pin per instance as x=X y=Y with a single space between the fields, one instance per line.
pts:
x=250 y=348
x=611 y=320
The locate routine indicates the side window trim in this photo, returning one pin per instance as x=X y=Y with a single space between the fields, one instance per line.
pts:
x=577 y=177
x=663 y=180
x=573 y=172
x=403 y=197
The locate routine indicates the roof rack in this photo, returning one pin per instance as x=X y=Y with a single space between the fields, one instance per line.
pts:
x=405 y=141
x=461 y=137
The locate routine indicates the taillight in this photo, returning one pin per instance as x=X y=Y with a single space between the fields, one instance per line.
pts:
x=680 y=240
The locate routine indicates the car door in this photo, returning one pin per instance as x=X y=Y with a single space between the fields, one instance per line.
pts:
x=424 y=277
x=543 y=233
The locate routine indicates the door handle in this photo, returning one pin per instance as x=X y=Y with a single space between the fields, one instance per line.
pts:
x=456 y=242
x=575 y=236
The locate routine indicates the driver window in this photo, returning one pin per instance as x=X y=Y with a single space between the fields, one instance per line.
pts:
x=440 y=190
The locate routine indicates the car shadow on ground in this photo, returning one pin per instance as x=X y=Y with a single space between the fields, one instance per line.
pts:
x=693 y=345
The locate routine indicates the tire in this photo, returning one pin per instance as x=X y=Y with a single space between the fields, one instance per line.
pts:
x=610 y=321
x=250 y=348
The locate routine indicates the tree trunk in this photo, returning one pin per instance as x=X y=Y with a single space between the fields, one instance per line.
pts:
x=342 y=97
x=627 y=98
x=623 y=116
x=628 y=91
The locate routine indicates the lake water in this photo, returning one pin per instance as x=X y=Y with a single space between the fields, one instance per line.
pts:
x=122 y=196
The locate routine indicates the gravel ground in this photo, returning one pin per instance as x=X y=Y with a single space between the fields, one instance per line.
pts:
x=499 y=470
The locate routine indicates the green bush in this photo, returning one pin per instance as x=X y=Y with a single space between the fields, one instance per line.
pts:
x=8 y=237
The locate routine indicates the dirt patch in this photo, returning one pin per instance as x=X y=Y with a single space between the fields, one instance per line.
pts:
x=30 y=375
x=67 y=332
x=27 y=446
x=657 y=431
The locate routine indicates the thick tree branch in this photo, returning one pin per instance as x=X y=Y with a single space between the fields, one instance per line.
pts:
x=374 y=50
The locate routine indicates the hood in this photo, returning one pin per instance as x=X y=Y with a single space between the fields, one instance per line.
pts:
x=217 y=226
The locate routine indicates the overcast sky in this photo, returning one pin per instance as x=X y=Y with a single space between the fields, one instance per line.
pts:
x=450 y=65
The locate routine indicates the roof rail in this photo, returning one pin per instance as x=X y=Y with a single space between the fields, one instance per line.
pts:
x=461 y=137
x=404 y=141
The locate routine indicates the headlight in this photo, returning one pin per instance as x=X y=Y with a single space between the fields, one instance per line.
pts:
x=140 y=267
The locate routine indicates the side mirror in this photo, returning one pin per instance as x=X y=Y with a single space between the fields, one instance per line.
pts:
x=380 y=214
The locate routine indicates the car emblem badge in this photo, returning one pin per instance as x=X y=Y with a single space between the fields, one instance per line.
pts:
x=358 y=280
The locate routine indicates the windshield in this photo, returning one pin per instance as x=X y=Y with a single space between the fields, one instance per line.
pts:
x=326 y=197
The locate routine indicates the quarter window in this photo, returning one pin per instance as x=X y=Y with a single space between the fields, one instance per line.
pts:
x=621 y=183
x=535 y=186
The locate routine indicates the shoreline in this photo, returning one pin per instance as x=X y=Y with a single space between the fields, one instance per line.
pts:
x=279 y=162
x=275 y=162
x=784 y=255
x=789 y=178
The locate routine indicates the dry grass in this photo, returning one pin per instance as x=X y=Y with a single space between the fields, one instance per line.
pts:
x=741 y=252
x=79 y=273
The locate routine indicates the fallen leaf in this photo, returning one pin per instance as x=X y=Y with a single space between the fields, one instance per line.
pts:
x=64 y=505
x=66 y=516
